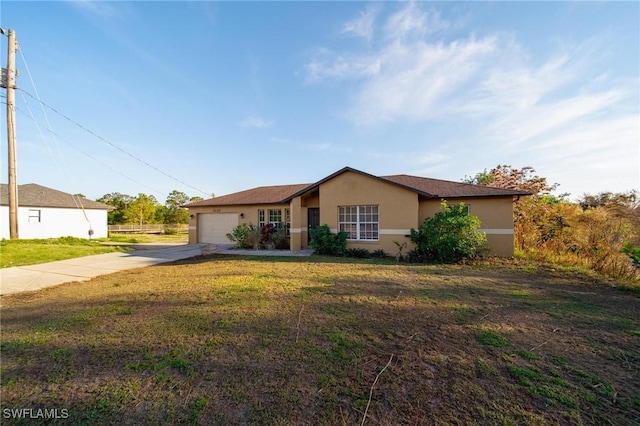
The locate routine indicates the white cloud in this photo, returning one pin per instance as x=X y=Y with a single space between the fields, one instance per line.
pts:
x=560 y=111
x=362 y=26
x=414 y=81
x=255 y=122
x=413 y=21
x=100 y=9
x=328 y=64
x=313 y=147
x=604 y=153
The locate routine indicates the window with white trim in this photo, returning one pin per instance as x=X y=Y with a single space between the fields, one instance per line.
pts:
x=359 y=222
x=34 y=215
x=275 y=217
x=260 y=218
x=287 y=220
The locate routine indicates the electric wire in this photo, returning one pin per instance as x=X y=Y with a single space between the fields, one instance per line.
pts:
x=76 y=200
x=94 y=158
x=39 y=128
x=60 y=138
x=112 y=144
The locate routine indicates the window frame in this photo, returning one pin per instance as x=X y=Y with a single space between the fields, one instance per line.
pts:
x=360 y=219
x=275 y=217
x=261 y=218
x=35 y=214
x=287 y=220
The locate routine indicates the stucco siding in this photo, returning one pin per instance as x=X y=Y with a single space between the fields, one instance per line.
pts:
x=401 y=203
x=397 y=207
x=496 y=219
x=46 y=222
x=246 y=214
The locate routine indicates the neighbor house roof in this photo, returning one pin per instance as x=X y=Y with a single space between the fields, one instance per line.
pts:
x=426 y=187
x=33 y=195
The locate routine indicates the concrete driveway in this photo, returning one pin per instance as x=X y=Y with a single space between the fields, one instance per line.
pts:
x=35 y=277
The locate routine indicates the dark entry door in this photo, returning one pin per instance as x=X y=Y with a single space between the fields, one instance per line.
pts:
x=313 y=220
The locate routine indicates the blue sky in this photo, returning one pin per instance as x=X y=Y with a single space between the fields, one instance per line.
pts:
x=224 y=96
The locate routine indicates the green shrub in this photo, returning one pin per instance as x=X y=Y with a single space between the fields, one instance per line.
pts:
x=379 y=254
x=450 y=236
x=323 y=241
x=360 y=253
x=244 y=236
x=633 y=252
x=279 y=238
x=248 y=236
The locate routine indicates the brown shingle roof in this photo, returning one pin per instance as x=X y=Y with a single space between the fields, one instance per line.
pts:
x=448 y=189
x=426 y=187
x=33 y=195
x=261 y=195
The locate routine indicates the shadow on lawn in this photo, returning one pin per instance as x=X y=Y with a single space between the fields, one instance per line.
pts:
x=197 y=350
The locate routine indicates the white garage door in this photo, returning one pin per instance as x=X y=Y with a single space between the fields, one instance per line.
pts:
x=214 y=227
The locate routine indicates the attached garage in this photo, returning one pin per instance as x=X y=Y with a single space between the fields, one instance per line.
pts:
x=214 y=227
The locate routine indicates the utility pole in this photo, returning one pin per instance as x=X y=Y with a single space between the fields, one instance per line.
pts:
x=11 y=134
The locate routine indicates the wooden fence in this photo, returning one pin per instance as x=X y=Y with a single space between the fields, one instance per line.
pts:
x=147 y=229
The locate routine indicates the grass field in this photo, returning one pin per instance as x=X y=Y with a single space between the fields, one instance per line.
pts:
x=148 y=238
x=32 y=252
x=225 y=340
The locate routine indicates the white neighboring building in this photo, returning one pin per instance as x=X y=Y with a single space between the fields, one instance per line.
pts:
x=46 y=213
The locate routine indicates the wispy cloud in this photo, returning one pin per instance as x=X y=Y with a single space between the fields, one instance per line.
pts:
x=328 y=64
x=312 y=147
x=413 y=21
x=362 y=25
x=415 y=80
x=100 y=9
x=256 y=122
x=564 y=107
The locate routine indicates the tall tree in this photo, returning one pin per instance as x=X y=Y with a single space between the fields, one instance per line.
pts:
x=592 y=233
x=120 y=202
x=535 y=220
x=506 y=176
x=174 y=212
x=142 y=210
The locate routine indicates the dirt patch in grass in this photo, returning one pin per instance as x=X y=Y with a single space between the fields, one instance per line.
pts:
x=220 y=340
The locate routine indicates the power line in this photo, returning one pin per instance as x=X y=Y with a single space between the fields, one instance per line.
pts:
x=112 y=144
x=94 y=158
x=57 y=145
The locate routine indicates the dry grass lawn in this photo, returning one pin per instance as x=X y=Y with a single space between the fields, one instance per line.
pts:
x=222 y=340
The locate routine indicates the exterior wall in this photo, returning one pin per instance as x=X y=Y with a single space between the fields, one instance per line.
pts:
x=55 y=222
x=496 y=219
x=246 y=214
x=397 y=208
x=306 y=202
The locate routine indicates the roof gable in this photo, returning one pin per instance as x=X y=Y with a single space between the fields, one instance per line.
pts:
x=34 y=195
x=349 y=169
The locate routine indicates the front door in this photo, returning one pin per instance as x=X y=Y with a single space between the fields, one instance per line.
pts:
x=313 y=220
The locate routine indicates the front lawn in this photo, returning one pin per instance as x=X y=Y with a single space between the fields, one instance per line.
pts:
x=230 y=340
x=32 y=252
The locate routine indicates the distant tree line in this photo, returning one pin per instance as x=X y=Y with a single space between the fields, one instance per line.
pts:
x=599 y=232
x=145 y=209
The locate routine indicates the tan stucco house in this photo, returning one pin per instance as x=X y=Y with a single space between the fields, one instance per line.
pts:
x=374 y=210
